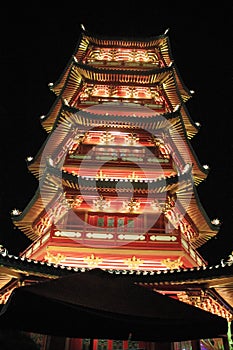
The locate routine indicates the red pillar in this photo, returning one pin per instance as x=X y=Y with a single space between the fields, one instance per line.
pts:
x=110 y=345
x=75 y=344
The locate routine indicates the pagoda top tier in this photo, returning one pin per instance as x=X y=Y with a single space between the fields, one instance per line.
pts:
x=155 y=51
x=94 y=56
x=140 y=71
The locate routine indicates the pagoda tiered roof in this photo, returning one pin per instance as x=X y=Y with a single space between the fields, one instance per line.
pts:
x=140 y=186
x=79 y=72
x=55 y=178
x=61 y=107
x=120 y=115
x=161 y=44
x=88 y=41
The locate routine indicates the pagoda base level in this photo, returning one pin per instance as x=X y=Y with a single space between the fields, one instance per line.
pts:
x=46 y=342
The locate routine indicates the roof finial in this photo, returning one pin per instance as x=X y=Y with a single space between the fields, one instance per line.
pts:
x=166 y=31
x=82 y=26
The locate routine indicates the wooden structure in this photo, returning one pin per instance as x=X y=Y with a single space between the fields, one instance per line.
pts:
x=118 y=178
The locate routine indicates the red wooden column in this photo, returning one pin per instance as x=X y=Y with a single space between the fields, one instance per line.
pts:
x=75 y=344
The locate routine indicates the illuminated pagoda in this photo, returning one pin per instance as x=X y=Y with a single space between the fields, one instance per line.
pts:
x=117 y=174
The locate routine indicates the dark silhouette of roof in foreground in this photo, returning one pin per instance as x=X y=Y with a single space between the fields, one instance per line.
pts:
x=95 y=304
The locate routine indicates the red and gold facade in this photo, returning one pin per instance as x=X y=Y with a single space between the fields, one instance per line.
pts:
x=117 y=173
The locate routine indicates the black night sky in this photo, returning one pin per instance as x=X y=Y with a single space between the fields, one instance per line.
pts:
x=37 y=42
